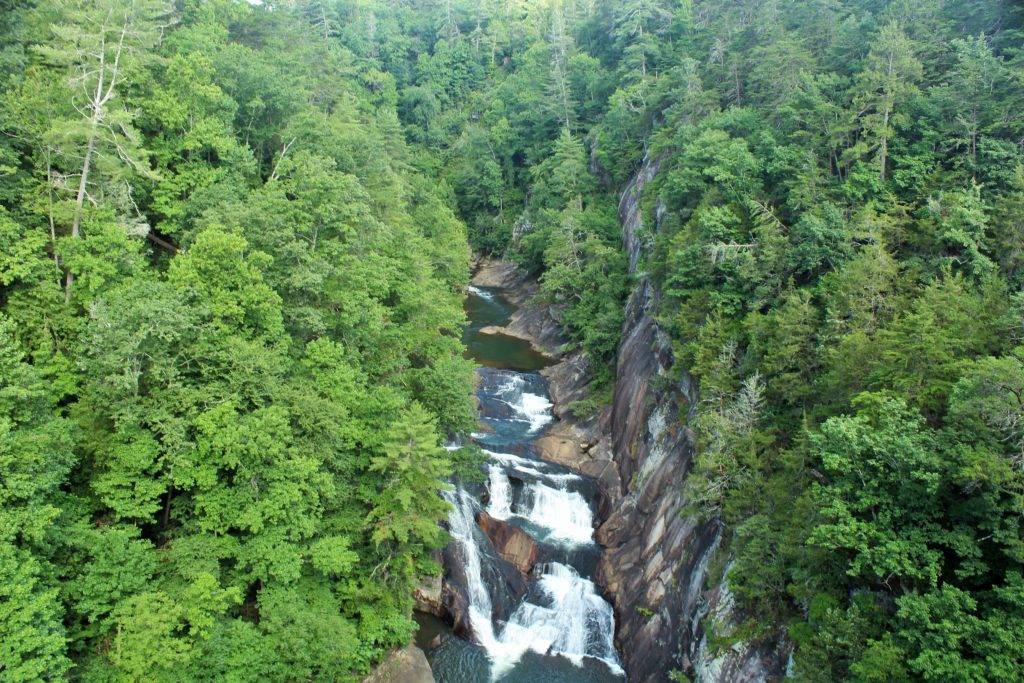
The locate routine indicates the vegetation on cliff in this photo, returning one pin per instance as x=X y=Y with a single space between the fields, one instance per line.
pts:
x=233 y=241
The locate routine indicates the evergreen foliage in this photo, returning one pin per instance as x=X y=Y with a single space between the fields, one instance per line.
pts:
x=233 y=244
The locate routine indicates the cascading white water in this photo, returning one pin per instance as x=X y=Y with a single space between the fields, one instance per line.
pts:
x=561 y=614
x=500 y=493
x=576 y=622
x=564 y=514
x=533 y=409
x=525 y=466
x=536 y=409
x=482 y=293
x=461 y=525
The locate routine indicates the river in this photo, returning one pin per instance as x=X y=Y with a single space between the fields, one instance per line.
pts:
x=554 y=626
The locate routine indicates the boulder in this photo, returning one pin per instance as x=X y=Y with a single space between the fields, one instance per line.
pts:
x=428 y=596
x=407 y=665
x=512 y=543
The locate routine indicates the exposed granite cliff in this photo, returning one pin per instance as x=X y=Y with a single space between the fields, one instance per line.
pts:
x=655 y=567
x=656 y=562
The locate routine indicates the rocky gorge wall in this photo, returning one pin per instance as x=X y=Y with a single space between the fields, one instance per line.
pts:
x=656 y=562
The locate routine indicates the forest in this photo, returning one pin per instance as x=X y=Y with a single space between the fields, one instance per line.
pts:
x=234 y=243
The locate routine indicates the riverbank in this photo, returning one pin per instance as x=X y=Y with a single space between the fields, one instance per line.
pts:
x=518 y=585
x=579 y=443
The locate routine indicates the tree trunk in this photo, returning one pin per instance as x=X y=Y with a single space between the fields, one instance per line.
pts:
x=76 y=223
x=883 y=147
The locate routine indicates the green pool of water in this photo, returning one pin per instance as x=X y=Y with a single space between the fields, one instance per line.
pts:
x=485 y=307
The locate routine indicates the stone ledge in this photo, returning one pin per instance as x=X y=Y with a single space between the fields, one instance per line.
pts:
x=407 y=665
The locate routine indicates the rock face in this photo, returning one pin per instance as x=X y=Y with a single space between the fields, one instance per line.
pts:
x=510 y=542
x=408 y=665
x=427 y=596
x=655 y=567
x=504 y=581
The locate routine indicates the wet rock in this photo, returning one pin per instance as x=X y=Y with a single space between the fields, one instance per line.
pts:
x=407 y=665
x=511 y=543
x=495 y=273
x=505 y=584
x=534 y=319
x=428 y=598
x=538 y=322
x=563 y=444
x=456 y=608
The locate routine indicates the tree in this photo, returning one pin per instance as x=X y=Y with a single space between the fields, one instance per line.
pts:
x=35 y=460
x=887 y=81
x=97 y=43
x=406 y=506
x=991 y=391
x=880 y=503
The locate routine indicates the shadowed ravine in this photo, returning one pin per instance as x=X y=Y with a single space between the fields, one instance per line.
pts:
x=541 y=617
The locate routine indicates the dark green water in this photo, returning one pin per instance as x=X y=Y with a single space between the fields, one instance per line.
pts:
x=485 y=307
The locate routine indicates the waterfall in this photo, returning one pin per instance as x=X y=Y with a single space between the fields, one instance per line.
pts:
x=556 y=611
x=576 y=622
x=534 y=409
x=564 y=514
x=500 y=493
x=461 y=526
x=564 y=614
x=531 y=468
x=482 y=293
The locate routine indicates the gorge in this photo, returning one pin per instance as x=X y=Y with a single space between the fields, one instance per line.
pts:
x=567 y=341
x=518 y=571
x=556 y=477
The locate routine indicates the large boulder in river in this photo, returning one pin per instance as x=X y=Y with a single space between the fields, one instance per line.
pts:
x=512 y=543
x=504 y=582
x=408 y=665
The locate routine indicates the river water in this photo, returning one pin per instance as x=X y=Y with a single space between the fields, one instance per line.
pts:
x=559 y=629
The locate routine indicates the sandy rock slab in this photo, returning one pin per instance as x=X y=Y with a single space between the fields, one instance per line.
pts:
x=512 y=543
x=494 y=273
x=408 y=665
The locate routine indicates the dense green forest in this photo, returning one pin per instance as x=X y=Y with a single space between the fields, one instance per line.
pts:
x=231 y=302
x=233 y=244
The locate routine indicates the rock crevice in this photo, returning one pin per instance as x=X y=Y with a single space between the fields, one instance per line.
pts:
x=656 y=564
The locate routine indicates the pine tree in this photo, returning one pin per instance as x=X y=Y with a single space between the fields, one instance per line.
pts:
x=889 y=79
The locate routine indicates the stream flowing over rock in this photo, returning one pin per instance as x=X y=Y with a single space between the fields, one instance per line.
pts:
x=656 y=560
x=518 y=581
